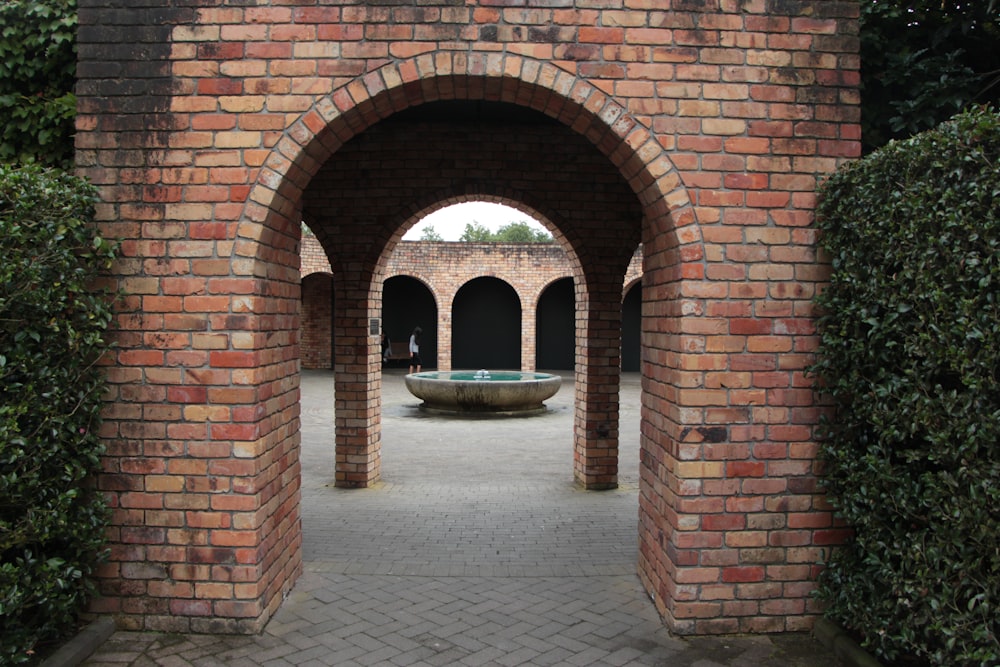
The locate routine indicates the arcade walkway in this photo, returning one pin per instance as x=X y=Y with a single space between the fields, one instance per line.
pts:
x=476 y=549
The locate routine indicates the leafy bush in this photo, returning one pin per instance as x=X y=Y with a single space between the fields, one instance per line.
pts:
x=37 y=74
x=52 y=324
x=924 y=60
x=910 y=354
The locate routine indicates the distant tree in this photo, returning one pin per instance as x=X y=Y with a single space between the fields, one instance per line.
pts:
x=924 y=60
x=512 y=232
x=430 y=234
x=522 y=232
x=476 y=233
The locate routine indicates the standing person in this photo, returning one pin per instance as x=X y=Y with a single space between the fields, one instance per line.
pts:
x=386 y=344
x=415 y=350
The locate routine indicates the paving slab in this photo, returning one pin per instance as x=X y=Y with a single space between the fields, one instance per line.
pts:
x=476 y=548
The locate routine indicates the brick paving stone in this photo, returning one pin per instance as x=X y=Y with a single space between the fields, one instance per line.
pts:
x=476 y=549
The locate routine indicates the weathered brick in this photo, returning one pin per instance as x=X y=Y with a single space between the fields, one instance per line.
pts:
x=724 y=106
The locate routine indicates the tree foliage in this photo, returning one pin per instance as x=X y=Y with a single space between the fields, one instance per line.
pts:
x=522 y=232
x=923 y=61
x=52 y=326
x=430 y=234
x=910 y=355
x=512 y=232
x=37 y=75
x=476 y=233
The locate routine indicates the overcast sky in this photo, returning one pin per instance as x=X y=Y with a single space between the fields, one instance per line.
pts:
x=450 y=222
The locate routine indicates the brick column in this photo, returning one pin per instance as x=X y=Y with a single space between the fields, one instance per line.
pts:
x=444 y=334
x=528 y=322
x=357 y=382
x=598 y=364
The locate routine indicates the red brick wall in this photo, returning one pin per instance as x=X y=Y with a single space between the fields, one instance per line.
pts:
x=444 y=268
x=316 y=325
x=698 y=127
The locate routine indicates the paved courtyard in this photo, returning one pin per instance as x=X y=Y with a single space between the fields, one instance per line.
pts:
x=475 y=549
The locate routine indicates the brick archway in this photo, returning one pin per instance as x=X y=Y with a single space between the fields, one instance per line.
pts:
x=410 y=300
x=633 y=151
x=518 y=80
x=719 y=118
x=487 y=327
x=587 y=111
x=489 y=191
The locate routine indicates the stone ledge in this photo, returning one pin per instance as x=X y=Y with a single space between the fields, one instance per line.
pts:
x=80 y=647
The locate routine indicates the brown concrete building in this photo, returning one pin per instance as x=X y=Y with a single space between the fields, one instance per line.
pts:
x=698 y=128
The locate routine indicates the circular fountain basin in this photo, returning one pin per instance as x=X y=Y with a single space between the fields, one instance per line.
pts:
x=483 y=392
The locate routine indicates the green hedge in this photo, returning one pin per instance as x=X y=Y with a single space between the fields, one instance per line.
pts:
x=52 y=333
x=37 y=75
x=910 y=354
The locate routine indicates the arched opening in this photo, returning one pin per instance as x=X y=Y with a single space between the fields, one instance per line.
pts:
x=602 y=207
x=599 y=175
x=407 y=304
x=462 y=222
x=486 y=326
x=555 y=323
x=632 y=328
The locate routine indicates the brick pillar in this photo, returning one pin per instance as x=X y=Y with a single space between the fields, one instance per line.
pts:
x=444 y=334
x=598 y=365
x=528 y=325
x=357 y=382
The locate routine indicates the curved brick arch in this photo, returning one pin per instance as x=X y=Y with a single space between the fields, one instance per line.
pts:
x=551 y=332
x=672 y=239
x=515 y=79
x=631 y=150
x=497 y=194
x=312 y=272
x=481 y=334
x=425 y=281
x=670 y=236
x=493 y=193
x=629 y=284
x=546 y=286
x=429 y=286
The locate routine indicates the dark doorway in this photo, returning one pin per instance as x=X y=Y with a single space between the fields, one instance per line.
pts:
x=631 y=329
x=406 y=304
x=555 y=326
x=486 y=326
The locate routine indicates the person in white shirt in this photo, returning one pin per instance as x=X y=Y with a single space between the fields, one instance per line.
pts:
x=415 y=362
